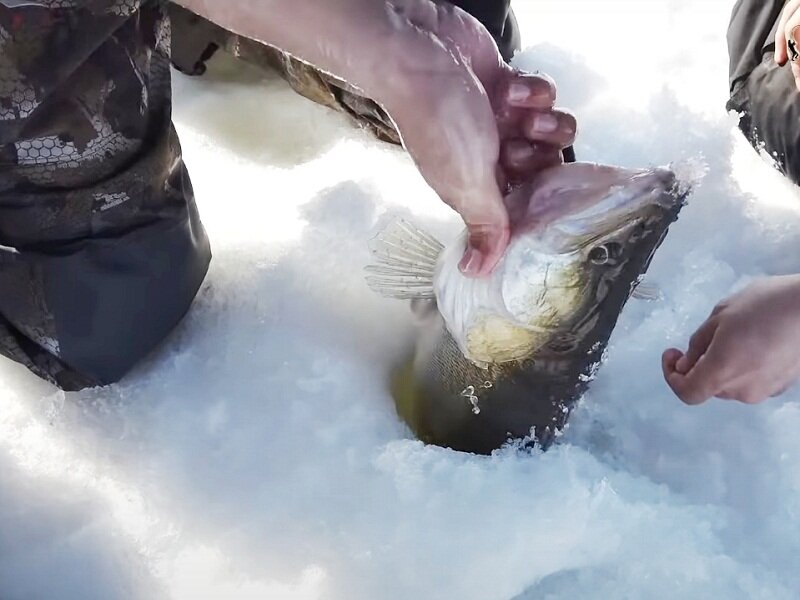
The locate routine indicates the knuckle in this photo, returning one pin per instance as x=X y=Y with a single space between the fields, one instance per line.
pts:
x=753 y=397
x=720 y=307
x=693 y=399
x=569 y=127
x=687 y=394
x=697 y=336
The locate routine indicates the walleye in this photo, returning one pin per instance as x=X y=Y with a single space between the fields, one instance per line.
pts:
x=508 y=356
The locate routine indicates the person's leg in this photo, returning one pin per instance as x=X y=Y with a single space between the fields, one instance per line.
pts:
x=762 y=92
x=101 y=247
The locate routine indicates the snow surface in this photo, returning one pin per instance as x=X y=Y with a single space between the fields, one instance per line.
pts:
x=258 y=454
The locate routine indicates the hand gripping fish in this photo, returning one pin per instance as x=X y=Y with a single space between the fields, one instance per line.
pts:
x=507 y=357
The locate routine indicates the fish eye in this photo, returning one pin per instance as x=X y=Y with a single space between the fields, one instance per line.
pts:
x=605 y=253
x=599 y=255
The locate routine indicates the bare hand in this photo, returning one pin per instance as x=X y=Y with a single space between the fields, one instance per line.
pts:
x=747 y=350
x=470 y=122
x=500 y=127
x=789 y=22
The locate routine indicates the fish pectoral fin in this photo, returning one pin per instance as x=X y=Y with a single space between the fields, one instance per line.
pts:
x=405 y=262
x=647 y=291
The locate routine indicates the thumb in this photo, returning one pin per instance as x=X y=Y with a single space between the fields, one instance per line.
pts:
x=488 y=227
x=485 y=247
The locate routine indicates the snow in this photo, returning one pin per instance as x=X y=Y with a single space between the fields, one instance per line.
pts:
x=258 y=454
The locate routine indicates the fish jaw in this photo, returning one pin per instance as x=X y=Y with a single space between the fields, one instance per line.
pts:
x=586 y=200
x=554 y=281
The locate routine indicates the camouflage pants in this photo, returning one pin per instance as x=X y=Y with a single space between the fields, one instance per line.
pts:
x=101 y=246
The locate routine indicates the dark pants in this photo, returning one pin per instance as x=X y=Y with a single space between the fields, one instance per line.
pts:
x=764 y=93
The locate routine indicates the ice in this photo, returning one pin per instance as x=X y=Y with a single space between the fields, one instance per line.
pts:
x=258 y=454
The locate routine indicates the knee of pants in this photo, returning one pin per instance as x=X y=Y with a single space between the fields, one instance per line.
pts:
x=88 y=314
x=120 y=301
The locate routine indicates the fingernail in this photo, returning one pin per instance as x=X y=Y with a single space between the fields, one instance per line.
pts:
x=471 y=263
x=518 y=92
x=682 y=366
x=545 y=123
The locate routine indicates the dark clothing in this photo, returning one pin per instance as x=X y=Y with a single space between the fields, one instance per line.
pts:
x=764 y=93
x=101 y=247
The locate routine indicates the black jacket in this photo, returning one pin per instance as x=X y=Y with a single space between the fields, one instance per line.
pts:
x=762 y=92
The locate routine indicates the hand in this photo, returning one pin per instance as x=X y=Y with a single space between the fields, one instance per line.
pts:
x=747 y=350
x=476 y=127
x=472 y=124
x=789 y=21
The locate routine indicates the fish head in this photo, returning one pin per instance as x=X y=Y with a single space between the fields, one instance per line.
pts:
x=582 y=236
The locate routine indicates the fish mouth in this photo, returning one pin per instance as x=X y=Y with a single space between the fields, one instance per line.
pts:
x=636 y=201
x=584 y=256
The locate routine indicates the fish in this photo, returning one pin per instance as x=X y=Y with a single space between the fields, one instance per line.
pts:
x=505 y=359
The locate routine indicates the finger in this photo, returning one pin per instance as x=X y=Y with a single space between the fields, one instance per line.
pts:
x=521 y=159
x=483 y=210
x=669 y=360
x=719 y=308
x=486 y=218
x=525 y=90
x=704 y=381
x=698 y=344
x=557 y=128
x=513 y=122
x=485 y=215
x=781 y=35
x=781 y=53
x=485 y=247
x=790 y=32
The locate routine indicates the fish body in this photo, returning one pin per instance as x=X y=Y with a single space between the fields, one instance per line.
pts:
x=507 y=357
